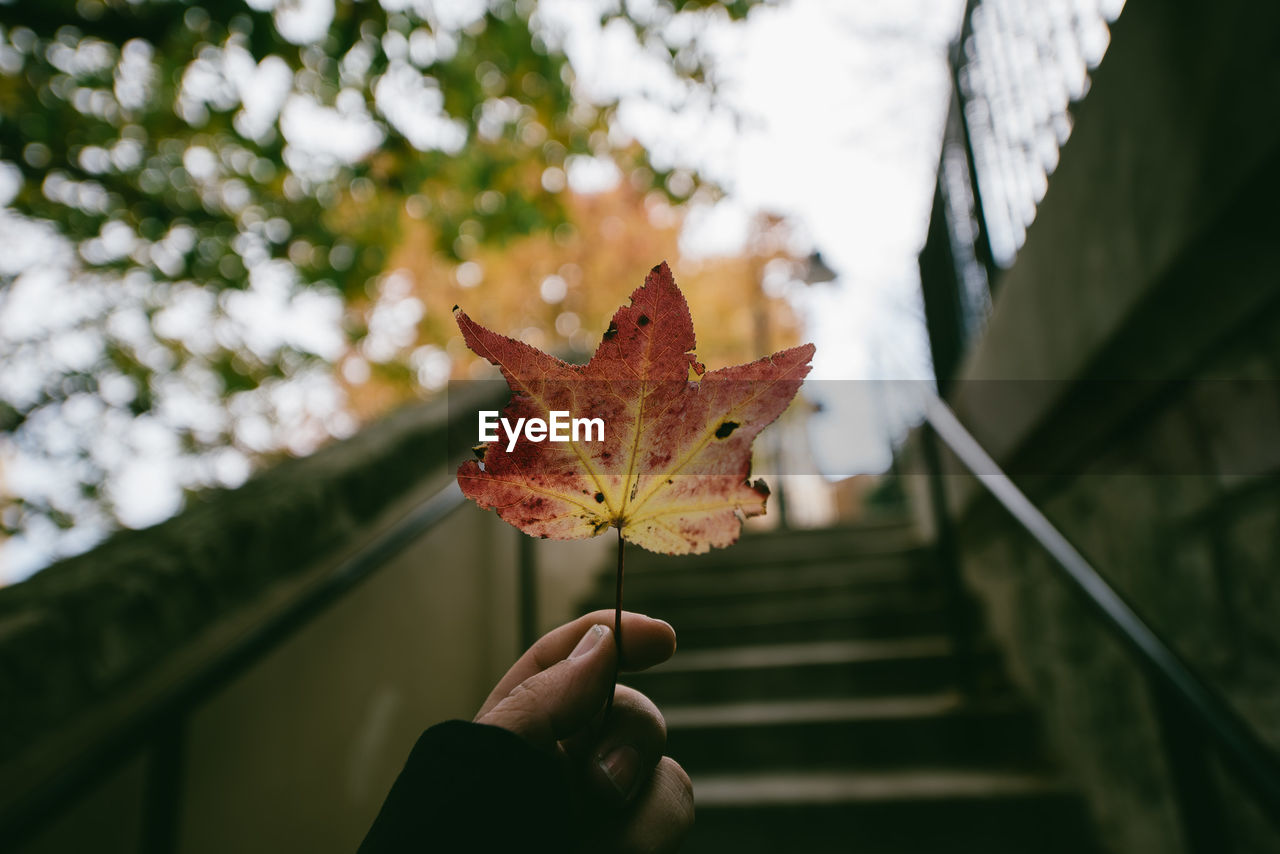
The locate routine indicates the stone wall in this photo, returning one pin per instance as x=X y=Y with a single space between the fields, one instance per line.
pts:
x=1130 y=381
x=78 y=630
x=297 y=748
x=1198 y=555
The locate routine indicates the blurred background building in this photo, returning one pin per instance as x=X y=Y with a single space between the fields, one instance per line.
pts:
x=241 y=582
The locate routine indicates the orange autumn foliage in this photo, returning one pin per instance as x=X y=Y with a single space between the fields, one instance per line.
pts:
x=558 y=291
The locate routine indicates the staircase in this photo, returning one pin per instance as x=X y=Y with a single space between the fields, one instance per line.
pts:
x=813 y=700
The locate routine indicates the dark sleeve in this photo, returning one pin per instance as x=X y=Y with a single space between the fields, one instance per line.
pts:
x=473 y=787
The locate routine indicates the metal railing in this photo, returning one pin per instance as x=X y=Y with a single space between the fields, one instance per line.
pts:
x=1017 y=69
x=158 y=730
x=1018 y=66
x=1194 y=718
x=156 y=727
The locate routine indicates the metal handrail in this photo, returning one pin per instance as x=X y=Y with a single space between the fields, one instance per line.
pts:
x=1254 y=763
x=155 y=723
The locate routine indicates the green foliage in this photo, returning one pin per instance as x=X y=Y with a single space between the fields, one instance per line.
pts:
x=169 y=152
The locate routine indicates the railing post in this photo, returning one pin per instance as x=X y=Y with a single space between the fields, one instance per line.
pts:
x=527 y=558
x=1198 y=800
x=947 y=560
x=982 y=239
x=1192 y=715
x=163 y=792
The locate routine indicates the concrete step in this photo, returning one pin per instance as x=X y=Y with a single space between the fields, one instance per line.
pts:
x=920 y=810
x=918 y=730
x=813 y=701
x=775 y=627
x=910 y=569
x=849 y=668
x=859 y=594
x=751 y=608
x=888 y=538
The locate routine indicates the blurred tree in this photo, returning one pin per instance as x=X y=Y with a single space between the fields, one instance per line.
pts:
x=197 y=190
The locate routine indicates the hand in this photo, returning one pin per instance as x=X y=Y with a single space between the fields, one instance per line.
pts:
x=554 y=697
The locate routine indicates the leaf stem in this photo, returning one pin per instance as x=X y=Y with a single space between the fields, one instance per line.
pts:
x=617 y=628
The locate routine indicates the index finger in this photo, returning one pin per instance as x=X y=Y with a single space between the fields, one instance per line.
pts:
x=645 y=642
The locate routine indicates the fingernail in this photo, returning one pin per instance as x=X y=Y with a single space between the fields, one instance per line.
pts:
x=621 y=765
x=589 y=641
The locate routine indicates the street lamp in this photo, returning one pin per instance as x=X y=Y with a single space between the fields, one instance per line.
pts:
x=816 y=271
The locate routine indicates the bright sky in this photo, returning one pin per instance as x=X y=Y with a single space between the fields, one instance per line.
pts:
x=838 y=106
x=842 y=106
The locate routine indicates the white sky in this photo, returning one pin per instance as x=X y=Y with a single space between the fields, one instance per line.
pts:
x=842 y=107
x=839 y=107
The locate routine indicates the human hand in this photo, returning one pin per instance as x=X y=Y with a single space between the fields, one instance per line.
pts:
x=554 y=697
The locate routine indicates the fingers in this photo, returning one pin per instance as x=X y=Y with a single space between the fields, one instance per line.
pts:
x=618 y=759
x=552 y=695
x=646 y=642
x=663 y=812
x=559 y=701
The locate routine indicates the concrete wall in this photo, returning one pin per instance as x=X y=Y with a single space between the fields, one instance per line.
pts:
x=1174 y=140
x=567 y=573
x=298 y=750
x=1130 y=380
x=1198 y=556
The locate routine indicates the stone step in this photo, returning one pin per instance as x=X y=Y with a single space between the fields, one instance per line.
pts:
x=774 y=627
x=852 y=668
x=774 y=547
x=889 y=812
x=910 y=569
x=750 y=608
x=794 y=607
x=924 y=730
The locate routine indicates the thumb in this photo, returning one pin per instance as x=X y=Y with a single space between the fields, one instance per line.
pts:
x=561 y=700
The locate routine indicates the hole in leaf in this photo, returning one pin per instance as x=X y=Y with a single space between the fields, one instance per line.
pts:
x=643 y=320
x=611 y=331
x=723 y=431
x=599 y=497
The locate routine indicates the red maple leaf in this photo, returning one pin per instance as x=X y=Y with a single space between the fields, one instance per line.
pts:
x=672 y=470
